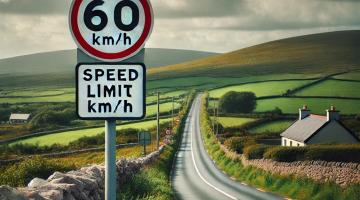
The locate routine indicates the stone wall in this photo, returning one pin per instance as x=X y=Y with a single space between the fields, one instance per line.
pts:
x=340 y=173
x=84 y=184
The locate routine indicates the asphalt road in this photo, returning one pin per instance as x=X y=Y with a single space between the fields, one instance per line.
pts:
x=196 y=177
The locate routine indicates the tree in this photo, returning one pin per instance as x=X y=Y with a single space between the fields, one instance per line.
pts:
x=238 y=102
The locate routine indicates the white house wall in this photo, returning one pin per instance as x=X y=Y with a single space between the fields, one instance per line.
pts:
x=333 y=133
x=293 y=142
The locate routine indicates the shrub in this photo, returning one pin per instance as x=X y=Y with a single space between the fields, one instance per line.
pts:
x=26 y=149
x=237 y=144
x=237 y=102
x=255 y=151
x=22 y=173
x=331 y=153
x=334 y=153
x=285 y=154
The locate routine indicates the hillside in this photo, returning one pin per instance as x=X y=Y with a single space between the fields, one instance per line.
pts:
x=65 y=61
x=318 y=53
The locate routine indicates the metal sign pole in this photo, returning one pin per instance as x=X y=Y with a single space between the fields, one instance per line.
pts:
x=158 y=122
x=110 y=160
x=172 y=115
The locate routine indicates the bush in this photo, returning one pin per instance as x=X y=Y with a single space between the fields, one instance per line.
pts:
x=255 y=151
x=238 y=102
x=333 y=153
x=285 y=154
x=330 y=153
x=22 y=173
x=237 y=144
x=26 y=149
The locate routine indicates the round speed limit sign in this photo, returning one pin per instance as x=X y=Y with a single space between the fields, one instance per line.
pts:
x=111 y=30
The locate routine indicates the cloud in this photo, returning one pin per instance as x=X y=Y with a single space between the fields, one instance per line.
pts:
x=35 y=33
x=198 y=8
x=29 y=26
x=34 y=7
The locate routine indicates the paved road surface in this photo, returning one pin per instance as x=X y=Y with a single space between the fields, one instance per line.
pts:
x=196 y=177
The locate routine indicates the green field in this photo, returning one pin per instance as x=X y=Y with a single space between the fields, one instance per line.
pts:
x=349 y=76
x=65 y=138
x=316 y=105
x=272 y=127
x=44 y=94
x=332 y=88
x=164 y=107
x=153 y=98
x=59 y=98
x=261 y=89
x=207 y=82
x=228 y=122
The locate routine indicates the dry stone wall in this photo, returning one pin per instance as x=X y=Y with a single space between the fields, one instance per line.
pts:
x=84 y=184
x=340 y=173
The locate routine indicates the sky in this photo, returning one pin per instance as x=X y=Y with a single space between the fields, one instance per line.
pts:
x=33 y=26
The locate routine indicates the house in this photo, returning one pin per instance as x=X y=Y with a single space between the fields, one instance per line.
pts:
x=317 y=129
x=19 y=118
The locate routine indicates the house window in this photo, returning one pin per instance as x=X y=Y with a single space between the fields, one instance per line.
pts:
x=284 y=142
x=298 y=144
x=290 y=143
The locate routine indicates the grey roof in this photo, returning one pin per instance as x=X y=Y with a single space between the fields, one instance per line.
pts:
x=303 y=129
x=19 y=116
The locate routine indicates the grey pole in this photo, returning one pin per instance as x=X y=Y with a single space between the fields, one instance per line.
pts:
x=172 y=115
x=217 y=120
x=213 y=121
x=110 y=160
x=158 y=122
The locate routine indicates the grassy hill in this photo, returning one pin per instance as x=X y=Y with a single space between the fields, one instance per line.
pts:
x=58 y=68
x=318 y=53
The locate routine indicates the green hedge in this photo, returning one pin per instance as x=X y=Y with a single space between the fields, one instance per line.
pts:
x=237 y=144
x=255 y=151
x=331 y=153
x=22 y=173
x=296 y=188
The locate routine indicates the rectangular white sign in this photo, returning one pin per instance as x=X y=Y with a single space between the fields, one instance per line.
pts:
x=111 y=91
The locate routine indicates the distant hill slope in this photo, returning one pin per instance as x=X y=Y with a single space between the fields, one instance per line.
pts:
x=317 y=53
x=64 y=61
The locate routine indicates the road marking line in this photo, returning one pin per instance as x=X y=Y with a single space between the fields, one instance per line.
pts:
x=198 y=172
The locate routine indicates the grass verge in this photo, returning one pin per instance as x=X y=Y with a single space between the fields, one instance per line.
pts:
x=293 y=187
x=153 y=182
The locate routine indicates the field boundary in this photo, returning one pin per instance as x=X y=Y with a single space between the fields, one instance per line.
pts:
x=3 y=142
x=64 y=153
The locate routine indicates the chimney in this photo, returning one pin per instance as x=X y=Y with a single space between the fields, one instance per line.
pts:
x=304 y=112
x=332 y=114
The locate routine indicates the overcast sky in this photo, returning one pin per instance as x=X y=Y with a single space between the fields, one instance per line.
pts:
x=31 y=26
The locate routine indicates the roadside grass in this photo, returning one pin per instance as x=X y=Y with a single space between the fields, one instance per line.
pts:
x=349 y=76
x=64 y=138
x=261 y=89
x=153 y=182
x=271 y=127
x=332 y=88
x=293 y=187
x=83 y=159
x=229 y=122
x=316 y=105
x=20 y=174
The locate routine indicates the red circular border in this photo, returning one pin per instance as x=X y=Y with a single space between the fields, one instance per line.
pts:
x=111 y=56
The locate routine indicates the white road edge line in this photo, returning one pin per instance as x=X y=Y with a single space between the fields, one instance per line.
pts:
x=198 y=172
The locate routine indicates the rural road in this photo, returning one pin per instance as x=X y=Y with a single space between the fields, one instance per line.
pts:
x=196 y=177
